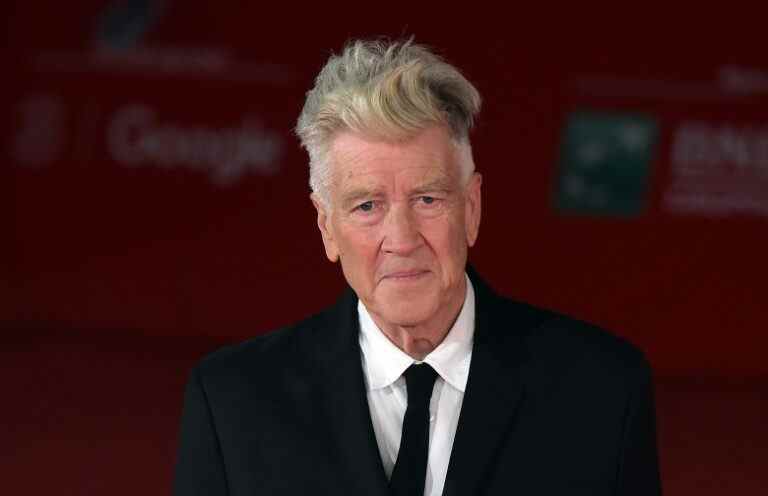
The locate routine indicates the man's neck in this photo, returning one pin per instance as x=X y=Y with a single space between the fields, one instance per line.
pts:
x=419 y=340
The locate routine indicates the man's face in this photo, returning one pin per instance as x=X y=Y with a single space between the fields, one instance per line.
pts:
x=400 y=221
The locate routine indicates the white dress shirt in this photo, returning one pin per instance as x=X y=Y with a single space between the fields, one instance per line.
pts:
x=383 y=367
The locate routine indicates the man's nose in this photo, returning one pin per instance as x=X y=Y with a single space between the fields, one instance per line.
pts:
x=401 y=231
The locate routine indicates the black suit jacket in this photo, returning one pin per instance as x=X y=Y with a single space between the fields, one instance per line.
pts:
x=553 y=406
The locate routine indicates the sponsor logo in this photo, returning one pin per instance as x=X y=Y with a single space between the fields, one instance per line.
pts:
x=123 y=23
x=604 y=164
x=119 y=43
x=718 y=169
x=137 y=137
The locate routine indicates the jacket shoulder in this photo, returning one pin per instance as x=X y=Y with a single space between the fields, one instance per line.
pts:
x=263 y=358
x=556 y=344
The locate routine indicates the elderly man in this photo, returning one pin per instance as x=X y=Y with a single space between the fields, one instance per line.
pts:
x=420 y=380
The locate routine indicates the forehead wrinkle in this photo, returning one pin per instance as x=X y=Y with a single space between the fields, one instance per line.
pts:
x=432 y=178
x=367 y=167
x=346 y=147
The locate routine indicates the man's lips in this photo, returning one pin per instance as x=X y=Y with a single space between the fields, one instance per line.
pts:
x=404 y=274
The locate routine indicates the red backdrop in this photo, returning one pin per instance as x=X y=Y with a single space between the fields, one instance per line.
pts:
x=153 y=183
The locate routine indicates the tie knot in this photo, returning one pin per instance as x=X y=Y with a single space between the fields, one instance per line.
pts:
x=419 y=380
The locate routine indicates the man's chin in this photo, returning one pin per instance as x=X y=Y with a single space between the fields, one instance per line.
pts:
x=406 y=312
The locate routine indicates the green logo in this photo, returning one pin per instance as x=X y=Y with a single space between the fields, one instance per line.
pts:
x=124 y=23
x=604 y=163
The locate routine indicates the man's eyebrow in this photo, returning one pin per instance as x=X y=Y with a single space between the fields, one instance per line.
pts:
x=442 y=184
x=356 y=194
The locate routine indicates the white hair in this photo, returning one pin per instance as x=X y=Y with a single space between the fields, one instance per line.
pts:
x=389 y=91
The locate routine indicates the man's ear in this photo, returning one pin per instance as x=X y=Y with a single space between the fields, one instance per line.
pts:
x=473 y=206
x=323 y=223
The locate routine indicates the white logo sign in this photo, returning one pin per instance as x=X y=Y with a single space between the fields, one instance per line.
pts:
x=136 y=137
x=719 y=169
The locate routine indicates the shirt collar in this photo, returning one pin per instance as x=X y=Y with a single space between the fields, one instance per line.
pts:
x=384 y=363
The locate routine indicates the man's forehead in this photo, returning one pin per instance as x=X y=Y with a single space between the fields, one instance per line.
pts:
x=364 y=179
x=356 y=159
x=419 y=173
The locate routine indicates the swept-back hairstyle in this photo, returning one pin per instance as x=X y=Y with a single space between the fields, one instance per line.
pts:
x=384 y=90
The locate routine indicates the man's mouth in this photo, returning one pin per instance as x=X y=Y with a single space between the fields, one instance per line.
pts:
x=405 y=275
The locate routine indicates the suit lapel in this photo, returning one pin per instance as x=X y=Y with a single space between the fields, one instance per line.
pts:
x=342 y=393
x=493 y=395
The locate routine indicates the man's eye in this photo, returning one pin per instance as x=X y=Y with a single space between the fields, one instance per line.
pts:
x=428 y=200
x=366 y=206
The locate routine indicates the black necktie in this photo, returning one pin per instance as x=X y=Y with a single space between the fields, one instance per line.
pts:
x=411 y=466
